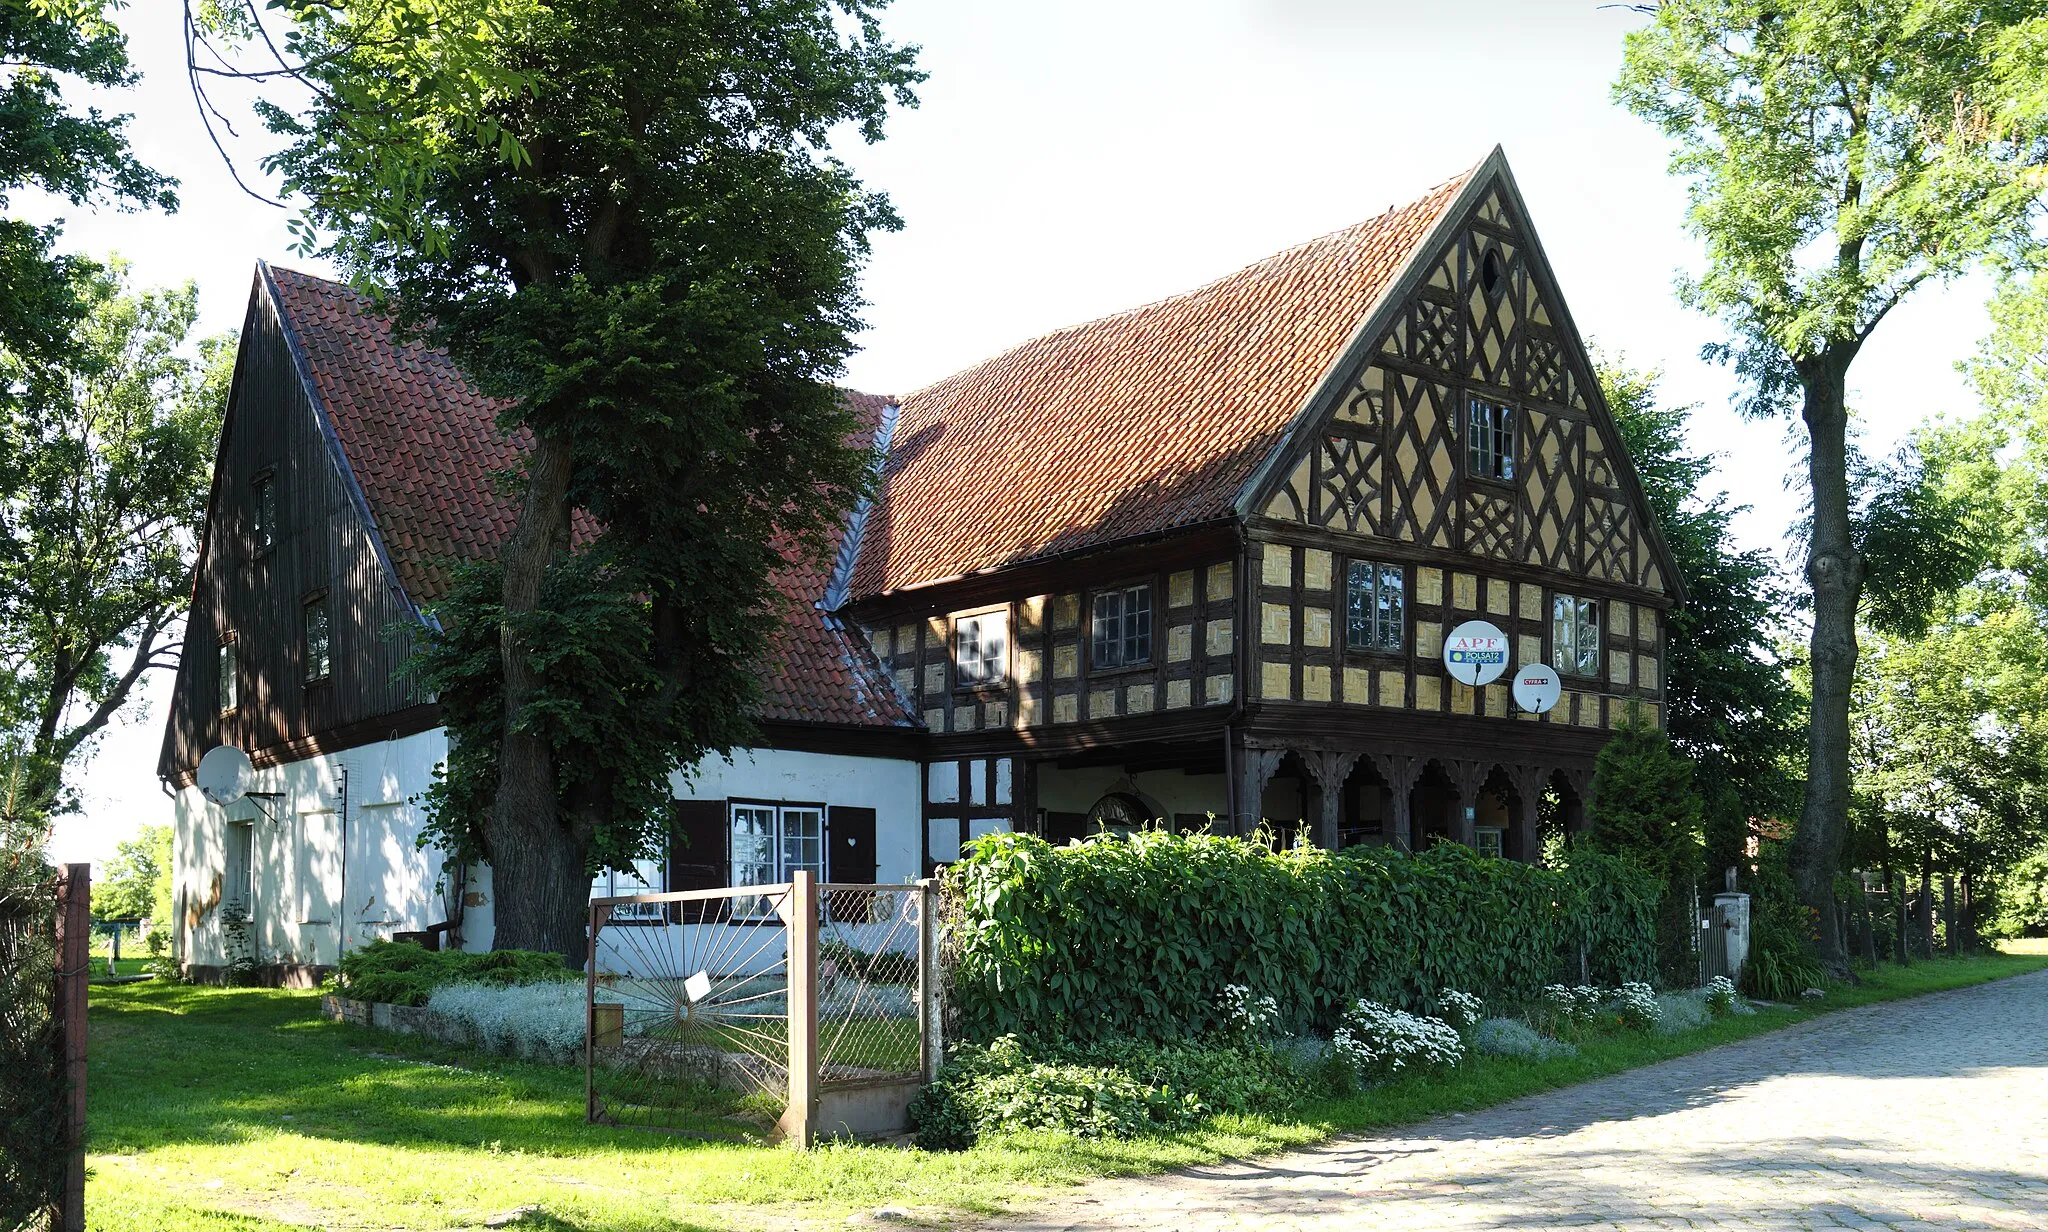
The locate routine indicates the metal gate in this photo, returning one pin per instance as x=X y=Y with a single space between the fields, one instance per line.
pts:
x=820 y=1001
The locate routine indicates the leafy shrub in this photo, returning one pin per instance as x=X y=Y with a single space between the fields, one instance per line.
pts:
x=402 y=973
x=1508 y=1037
x=1378 y=1043
x=1139 y=936
x=1247 y=1018
x=1782 y=958
x=1108 y=1090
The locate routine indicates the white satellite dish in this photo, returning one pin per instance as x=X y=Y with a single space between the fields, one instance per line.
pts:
x=1537 y=687
x=1476 y=652
x=224 y=774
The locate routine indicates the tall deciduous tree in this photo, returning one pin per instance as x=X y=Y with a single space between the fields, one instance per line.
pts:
x=1842 y=153
x=103 y=479
x=1728 y=704
x=622 y=216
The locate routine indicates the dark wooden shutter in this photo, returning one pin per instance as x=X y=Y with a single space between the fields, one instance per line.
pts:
x=851 y=834
x=699 y=854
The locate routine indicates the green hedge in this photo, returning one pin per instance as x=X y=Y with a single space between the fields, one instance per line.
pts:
x=403 y=973
x=1138 y=937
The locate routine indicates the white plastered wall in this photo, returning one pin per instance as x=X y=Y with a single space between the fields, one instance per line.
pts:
x=887 y=785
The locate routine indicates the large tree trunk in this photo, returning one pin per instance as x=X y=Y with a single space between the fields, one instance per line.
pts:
x=1835 y=570
x=539 y=890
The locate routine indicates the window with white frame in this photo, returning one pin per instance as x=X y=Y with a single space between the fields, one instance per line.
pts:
x=769 y=843
x=643 y=878
x=225 y=666
x=1575 y=635
x=981 y=649
x=1376 y=601
x=1123 y=627
x=1488 y=841
x=1489 y=440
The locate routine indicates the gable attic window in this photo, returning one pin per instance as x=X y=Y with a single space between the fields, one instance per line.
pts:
x=1123 y=627
x=230 y=694
x=1376 y=607
x=981 y=649
x=1489 y=440
x=1575 y=635
x=263 y=512
x=1491 y=276
x=319 y=645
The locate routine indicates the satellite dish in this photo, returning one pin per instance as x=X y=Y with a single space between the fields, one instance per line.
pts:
x=224 y=774
x=1537 y=687
x=1476 y=652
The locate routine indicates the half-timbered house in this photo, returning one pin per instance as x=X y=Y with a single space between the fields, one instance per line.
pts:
x=1191 y=563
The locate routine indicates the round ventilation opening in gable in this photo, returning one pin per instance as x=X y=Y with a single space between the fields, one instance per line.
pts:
x=1491 y=273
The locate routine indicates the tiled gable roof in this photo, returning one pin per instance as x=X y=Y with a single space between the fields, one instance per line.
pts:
x=1131 y=425
x=424 y=449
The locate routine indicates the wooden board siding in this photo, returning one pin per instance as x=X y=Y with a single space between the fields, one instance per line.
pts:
x=323 y=544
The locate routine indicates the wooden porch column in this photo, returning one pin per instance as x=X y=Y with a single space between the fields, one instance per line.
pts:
x=1470 y=777
x=1527 y=805
x=1257 y=767
x=1400 y=773
x=1331 y=770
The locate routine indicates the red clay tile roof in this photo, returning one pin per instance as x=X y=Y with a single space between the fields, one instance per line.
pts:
x=1137 y=423
x=425 y=451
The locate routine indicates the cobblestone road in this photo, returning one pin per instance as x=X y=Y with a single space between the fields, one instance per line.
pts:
x=1920 y=1114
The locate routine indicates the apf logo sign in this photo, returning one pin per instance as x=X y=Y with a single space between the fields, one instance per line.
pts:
x=1476 y=653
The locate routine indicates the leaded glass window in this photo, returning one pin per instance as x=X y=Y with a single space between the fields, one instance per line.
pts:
x=1377 y=606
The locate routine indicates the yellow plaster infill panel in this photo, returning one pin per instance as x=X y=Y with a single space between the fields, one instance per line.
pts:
x=1276 y=682
x=1102 y=704
x=1276 y=565
x=1462 y=697
x=1589 y=710
x=1530 y=647
x=1393 y=689
x=1216 y=690
x=935 y=720
x=1066 y=611
x=1429 y=640
x=1532 y=601
x=1219 y=637
x=1429 y=586
x=1029 y=712
x=1357 y=686
x=1180 y=643
x=1315 y=626
x=935 y=678
x=1653 y=714
x=1617 y=666
x=1180 y=589
x=1065 y=708
x=906 y=682
x=1315 y=683
x=994 y=715
x=1497 y=597
x=1646 y=673
x=1646 y=624
x=965 y=718
x=1315 y=569
x=1139 y=699
x=878 y=641
x=1222 y=581
x=1464 y=592
x=906 y=639
x=1496 y=701
x=1030 y=664
x=1031 y=612
x=1429 y=693
x=935 y=633
x=1066 y=662
x=1276 y=624
x=1179 y=694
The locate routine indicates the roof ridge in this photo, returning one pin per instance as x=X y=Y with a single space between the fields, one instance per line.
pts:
x=1214 y=284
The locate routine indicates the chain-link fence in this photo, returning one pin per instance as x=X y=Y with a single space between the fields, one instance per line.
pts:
x=818 y=1003
x=42 y=1042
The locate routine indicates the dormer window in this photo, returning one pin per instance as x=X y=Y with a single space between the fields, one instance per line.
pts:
x=263 y=512
x=1489 y=440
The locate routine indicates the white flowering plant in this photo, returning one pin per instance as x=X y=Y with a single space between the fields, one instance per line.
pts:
x=1461 y=1009
x=1246 y=1018
x=1721 y=995
x=1635 y=1004
x=1376 y=1043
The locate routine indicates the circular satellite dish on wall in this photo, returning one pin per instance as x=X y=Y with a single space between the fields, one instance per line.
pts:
x=224 y=774
x=1537 y=687
x=1476 y=653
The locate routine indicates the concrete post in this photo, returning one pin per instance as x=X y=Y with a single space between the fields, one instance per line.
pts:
x=931 y=1041
x=799 y=1123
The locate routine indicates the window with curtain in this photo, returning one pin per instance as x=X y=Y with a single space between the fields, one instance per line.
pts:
x=981 y=649
x=769 y=843
x=1575 y=635
x=1489 y=440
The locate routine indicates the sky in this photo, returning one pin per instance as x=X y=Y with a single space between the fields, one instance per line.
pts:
x=1071 y=158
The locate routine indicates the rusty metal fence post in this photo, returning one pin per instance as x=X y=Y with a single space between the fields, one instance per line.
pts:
x=74 y=955
x=799 y=1123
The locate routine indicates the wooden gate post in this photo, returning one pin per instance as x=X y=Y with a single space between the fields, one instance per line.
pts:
x=931 y=1036
x=799 y=1124
x=74 y=955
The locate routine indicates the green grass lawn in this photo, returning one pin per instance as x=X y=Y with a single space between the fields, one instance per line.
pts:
x=243 y=1109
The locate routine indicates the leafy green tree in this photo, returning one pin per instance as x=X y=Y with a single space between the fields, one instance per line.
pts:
x=622 y=217
x=1842 y=153
x=136 y=883
x=104 y=465
x=1728 y=704
x=80 y=156
x=1644 y=810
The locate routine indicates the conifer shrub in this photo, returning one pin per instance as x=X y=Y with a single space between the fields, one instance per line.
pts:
x=1139 y=937
x=1644 y=810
